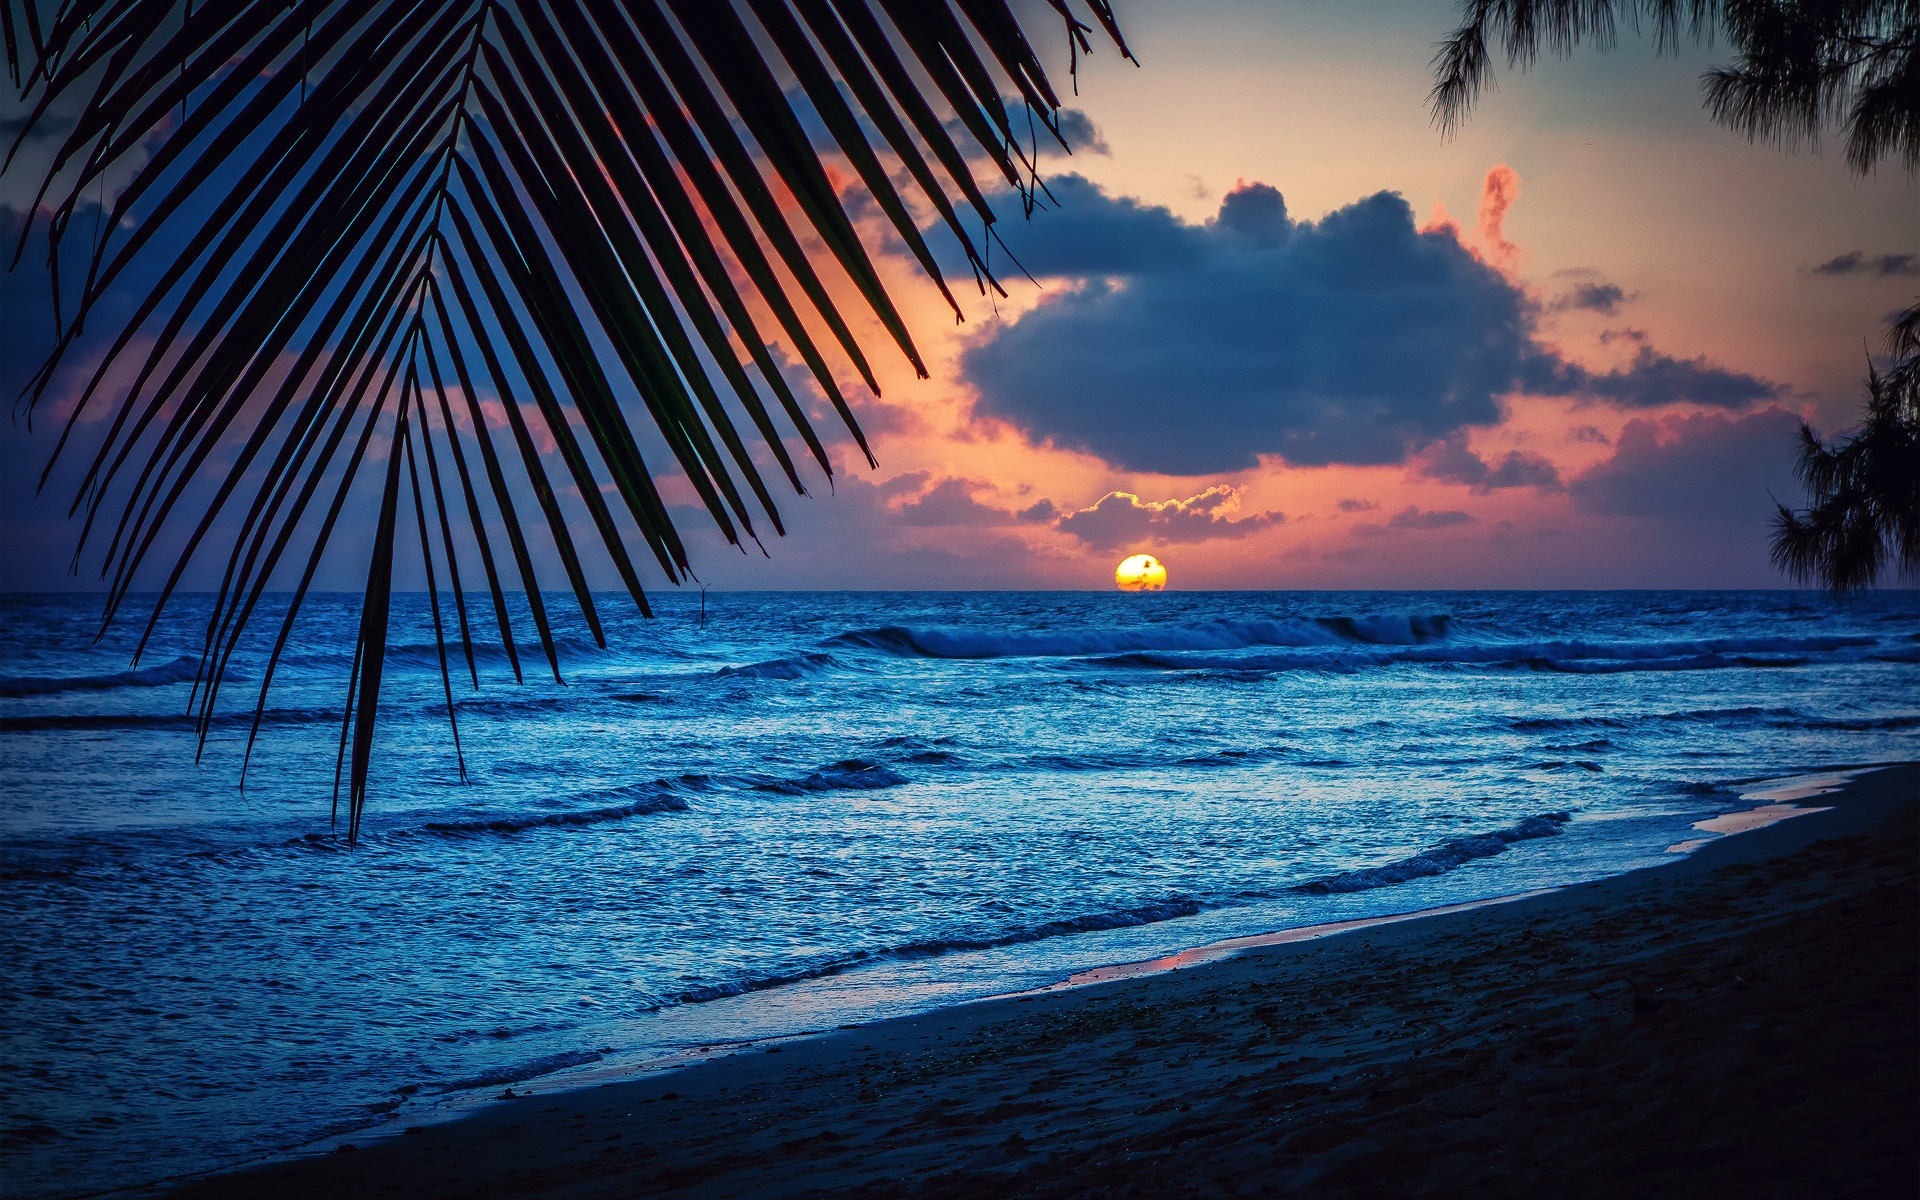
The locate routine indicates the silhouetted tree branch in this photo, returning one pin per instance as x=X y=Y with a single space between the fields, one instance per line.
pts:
x=1799 y=67
x=1864 y=519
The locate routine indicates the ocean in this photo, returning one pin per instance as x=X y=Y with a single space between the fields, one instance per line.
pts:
x=810 y=809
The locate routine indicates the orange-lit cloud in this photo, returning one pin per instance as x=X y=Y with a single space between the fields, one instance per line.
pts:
x=1442 y=222
x=1497 y=195
x=1123 y=519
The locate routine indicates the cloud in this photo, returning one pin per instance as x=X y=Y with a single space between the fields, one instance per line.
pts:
x=1080 y=134
x=1097 y=235
x=951 y=502
x=1704 y=467
x=1651 y=380
x=859 y=536
x=1853 y=262
x=1414 y=518
x=1450 y=461
x=1257 y=213
x=1352 y=505
x=1123 y=519
x=1593 y=297
x=1077 y=130
x=12 y=125
x=1497 y=194
x=1197 y=349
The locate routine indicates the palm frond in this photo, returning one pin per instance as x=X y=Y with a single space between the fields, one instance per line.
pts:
x=364 y=219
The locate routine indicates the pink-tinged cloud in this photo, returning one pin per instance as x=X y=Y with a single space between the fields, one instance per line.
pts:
x=1442 y=222
x=1706 y=467
x=1124 y=519
x=1451 y=461
x=1497 y=195
x=950 y=502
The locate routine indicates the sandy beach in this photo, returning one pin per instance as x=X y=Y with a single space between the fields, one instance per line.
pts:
x=1744 y=1021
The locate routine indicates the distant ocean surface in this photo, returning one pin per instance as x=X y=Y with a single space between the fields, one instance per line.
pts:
x=813 y=809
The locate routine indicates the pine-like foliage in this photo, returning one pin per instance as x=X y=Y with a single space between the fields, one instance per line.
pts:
x=1864 y=519
x=1800 y=66
x=376 y=223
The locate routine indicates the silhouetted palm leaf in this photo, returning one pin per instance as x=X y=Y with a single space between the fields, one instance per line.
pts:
x=1800 y=64
x=371 y=216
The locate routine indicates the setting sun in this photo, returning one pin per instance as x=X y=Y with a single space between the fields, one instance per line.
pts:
x=1141 y=573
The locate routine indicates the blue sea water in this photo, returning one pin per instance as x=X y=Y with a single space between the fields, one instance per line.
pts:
x=809 y=810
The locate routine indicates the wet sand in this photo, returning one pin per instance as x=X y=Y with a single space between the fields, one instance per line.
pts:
x=1743 y=1022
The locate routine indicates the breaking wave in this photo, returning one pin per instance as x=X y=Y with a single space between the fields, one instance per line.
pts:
x=487 y=656
x=531 y=1069
x=853 y=774
x=1145 y=914
x=180 y=670
x=635 y=801
x=1571 y=657
x=1695 y=715
x=1438 y=860
x=185 y=721
x=797 y=667
x=1342 y=645
x=1400 y=629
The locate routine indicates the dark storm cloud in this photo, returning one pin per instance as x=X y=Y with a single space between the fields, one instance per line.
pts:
x=1853 y=262
x=1707 y=467
x=1194 y=349
x=1345 y=341
x=1123 y=519
x=1450 y=461
x=1100 y=235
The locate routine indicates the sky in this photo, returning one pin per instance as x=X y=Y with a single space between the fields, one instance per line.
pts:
x=1286 y=336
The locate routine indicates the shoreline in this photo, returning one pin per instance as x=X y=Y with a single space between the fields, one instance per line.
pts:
x=629 y=1067
x=1860 y=806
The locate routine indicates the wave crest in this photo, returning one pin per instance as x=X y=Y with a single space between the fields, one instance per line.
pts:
x=1395 y=629
x=853 y=775
x=1144 y=914
x=639 y=800
x=798 y=667
x=1438 y=860
x=180 y=670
